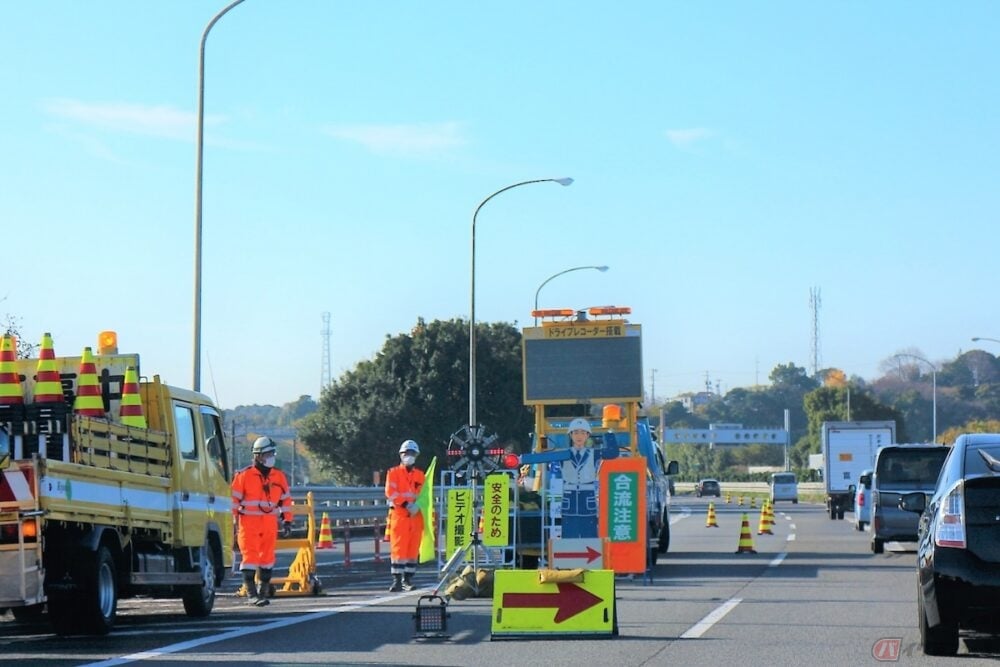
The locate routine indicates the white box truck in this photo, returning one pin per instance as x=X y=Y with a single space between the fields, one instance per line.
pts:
x=849 y=448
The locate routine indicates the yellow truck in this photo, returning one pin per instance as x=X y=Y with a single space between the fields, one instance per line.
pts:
x=93 y=510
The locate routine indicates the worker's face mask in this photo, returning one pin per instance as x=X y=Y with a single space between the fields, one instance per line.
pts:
x=408 y=459
x=268 y=461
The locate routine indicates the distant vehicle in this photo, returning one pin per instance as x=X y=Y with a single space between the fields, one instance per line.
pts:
x=863 y=501
x=784 y=486
x=901 y=469
x=708 y=487
x=848 y=449
x=958 y=551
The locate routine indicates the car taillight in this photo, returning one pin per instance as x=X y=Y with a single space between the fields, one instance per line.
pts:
x=950 y=531
x=861 y=500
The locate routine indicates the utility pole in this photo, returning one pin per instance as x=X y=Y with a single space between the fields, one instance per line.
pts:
x=652 y=386
x=814 y=303
x=324 y=376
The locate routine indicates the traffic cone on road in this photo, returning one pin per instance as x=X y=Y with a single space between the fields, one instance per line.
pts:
x=325 y=534
x=746 y=540
x=11 y=392
x=388 y=527
x=729 y=498
x=48 y=386
x=130 y=411
x=753 y=502
x=710 y=520
x=764 y=525
x=89 y=401
x=739 y=500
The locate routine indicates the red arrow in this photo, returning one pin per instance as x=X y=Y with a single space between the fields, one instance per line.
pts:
x=590 y=554
x=570 y=601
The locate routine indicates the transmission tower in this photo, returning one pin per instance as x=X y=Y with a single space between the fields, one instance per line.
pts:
x=324 y=375
x=814 y=303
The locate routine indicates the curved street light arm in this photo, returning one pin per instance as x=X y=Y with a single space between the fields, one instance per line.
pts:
x=602 y=269
x=472 y=304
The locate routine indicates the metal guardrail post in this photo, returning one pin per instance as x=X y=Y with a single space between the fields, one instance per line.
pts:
x=347 y=545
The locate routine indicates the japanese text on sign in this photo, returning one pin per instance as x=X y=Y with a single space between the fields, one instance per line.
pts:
x=496 y=510
x=622 y=517
x=459 y=524
x=591 y=330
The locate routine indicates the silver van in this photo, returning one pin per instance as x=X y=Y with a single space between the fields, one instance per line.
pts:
x=901 y=469
x=784 y=486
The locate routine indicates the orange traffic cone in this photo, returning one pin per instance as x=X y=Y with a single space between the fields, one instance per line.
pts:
x=89 y=401
x=11 y=392
x=710 y=520
x=325 y=534
x=388 y=526
x=746 y=540
x=764 y=526
x=130 y=411
x=48 y=386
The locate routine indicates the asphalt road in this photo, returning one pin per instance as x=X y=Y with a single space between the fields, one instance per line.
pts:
x=812 y=594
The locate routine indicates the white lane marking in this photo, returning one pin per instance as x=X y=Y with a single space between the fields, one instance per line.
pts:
x=233 y=634
x=683 y=514
x=790 y=538
x=705 y=624
x=777 y=559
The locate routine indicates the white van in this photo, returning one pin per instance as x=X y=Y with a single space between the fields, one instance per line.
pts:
x=784 y=486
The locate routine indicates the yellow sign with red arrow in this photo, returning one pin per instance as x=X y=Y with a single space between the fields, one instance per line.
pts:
x=583 y=604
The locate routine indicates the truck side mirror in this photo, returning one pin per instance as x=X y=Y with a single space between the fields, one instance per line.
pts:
x=672 y=468
x=913 y=502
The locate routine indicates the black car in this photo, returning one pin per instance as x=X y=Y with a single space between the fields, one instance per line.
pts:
x=958 y=552
x=708 y=487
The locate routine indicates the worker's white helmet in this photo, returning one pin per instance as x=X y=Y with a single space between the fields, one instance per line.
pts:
x=264 y=445
x=578 y=424
x=409 y=446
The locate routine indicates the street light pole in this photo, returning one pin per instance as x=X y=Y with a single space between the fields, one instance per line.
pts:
x=196 y=366
x=472 y=304
x=602 y=269
x=933 y=390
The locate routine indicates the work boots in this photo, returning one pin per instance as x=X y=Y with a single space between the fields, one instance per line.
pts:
x=397 y=583
x=254 y=599
x=407 y=581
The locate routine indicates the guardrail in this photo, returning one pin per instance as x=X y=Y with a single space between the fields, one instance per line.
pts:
x=354 y=505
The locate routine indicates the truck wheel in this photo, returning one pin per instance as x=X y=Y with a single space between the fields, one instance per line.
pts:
x=833 y=512
x=840 y=514
x=878 y=546
x=198 y=602
x=98 y=599
x=663 y=539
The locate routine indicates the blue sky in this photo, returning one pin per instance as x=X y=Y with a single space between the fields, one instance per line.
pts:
x=727 y=157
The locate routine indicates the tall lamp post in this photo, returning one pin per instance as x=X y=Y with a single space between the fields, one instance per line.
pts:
x=196 y=366
x=472 y=304
x=933 y=389
x=602 y=269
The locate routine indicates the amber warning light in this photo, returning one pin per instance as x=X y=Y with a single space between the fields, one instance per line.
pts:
x=107 y=342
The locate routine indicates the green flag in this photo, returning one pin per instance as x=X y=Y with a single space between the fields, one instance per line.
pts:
x=425 y=501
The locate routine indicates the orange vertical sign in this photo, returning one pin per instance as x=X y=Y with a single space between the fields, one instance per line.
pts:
x=622 y=514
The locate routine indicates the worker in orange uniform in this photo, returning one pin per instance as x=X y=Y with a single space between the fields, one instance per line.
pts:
x=402 y=486
x=261 y=497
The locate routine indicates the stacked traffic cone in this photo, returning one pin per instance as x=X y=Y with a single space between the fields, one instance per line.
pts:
x=764 y=525
x=710 y=520
x=89 y=401
x=11 y=392
x=729 y=498
x=48 y=387
x=130 y=411
x=746 y=540
x=325 y=534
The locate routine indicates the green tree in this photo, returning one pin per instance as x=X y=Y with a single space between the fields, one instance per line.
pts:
x=416 y=387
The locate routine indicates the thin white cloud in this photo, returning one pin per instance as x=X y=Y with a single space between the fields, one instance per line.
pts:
x=415 y=139
x=686 y=137
x=154 y=121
